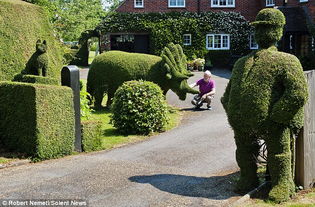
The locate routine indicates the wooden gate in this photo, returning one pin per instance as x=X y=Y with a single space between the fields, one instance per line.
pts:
x=305 y=145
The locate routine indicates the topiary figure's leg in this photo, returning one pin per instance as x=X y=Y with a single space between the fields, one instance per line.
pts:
x=99 y=94
x=110 y=96
x=279 y=162
x=246 y=154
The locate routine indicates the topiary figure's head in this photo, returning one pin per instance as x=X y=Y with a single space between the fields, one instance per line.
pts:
x=268 y=27
x=41 y=47
x=175 y=63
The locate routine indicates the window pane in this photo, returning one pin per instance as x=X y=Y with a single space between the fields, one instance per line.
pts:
x=215 y=2
x=138 y=2
x=225 y=41
x=172 y=2
x=230 y=2
x=210 y=41
x=217 y=41
x=180 y=2
x=223 y=2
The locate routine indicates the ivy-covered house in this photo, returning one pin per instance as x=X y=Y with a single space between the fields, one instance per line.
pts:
x=216 y=29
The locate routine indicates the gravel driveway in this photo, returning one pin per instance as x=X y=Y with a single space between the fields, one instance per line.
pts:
x=191 y=165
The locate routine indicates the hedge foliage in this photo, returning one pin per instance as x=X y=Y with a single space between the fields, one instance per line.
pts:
x=111 y=69
x=91 y=132
x=139 y=107
x=21 y=25
x=264 y=99
x=170 y=27
x=36 y=119
x=36 y=79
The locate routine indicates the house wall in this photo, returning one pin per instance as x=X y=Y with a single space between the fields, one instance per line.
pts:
x=248 y=8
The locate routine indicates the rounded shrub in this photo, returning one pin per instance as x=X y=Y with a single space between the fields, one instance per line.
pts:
x=139 y=107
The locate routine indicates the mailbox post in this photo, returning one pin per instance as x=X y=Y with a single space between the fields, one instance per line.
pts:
x=70 y=76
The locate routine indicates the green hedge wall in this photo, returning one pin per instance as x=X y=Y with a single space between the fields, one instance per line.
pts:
x=91 y=135
x=36 y=119
x=21 y=25
x=36 y=79
x=170 y=27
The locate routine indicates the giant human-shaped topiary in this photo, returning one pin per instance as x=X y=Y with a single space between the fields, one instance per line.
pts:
x=38 y=63
x=264 y=100
x=111 y=69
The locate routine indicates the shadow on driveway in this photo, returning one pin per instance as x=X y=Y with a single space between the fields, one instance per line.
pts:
x=215 y=187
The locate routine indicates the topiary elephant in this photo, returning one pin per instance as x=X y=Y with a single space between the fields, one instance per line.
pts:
x=111 y=69
x=264 y=99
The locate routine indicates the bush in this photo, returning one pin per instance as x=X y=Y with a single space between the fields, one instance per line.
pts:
x=85 y=107
x=18 y=35
x=36 y=119
x=139 y=107
x=91 y=132
x=36 y=79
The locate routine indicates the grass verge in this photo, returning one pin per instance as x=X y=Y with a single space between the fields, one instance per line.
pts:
x=112 y=138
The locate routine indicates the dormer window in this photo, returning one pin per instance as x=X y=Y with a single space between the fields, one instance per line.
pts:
x=139 y=3
x=270 y=2
x=222 y=3
x=176 y=3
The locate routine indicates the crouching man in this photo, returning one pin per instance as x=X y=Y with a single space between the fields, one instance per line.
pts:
x=206 y=91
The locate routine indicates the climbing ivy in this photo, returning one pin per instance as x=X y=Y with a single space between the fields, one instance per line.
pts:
x=164 y=28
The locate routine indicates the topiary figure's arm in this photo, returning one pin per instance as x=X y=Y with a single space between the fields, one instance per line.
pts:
x=294 y=96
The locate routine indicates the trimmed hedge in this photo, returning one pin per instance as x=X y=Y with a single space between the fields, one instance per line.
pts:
x=36 y=79
x=167 y=27
x=264 y=99
x=21 y=25
x=91 y=135
x=111 y=69
x=139 y=107
x=36 y=119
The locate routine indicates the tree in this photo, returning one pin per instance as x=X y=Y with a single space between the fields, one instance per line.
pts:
x=112 y=4
x=72 y=17
x=76 y=16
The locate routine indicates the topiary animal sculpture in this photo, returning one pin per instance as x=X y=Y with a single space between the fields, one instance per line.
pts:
x=111 y=69
x=264 y=99
x=38 y=63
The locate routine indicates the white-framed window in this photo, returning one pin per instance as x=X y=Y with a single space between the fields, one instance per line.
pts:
x=139 y=3
x=270 y=2
x=252 y=42
x=187 y=39
x=176 y=3
x=222 y=3
x=218 y=42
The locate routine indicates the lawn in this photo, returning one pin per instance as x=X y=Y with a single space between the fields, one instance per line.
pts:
x=112 y=138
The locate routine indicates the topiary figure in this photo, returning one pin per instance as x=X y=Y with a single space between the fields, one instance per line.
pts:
x=38 y=63
x=139 y=107
x=264 y=99
x=109 y=70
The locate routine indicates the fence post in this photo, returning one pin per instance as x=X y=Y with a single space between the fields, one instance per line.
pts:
x=305 y=145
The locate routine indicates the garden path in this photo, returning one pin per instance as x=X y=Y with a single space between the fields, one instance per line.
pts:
x=191 y=165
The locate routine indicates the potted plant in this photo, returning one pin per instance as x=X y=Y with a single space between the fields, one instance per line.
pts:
x=190 y=65
x=200 y=63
